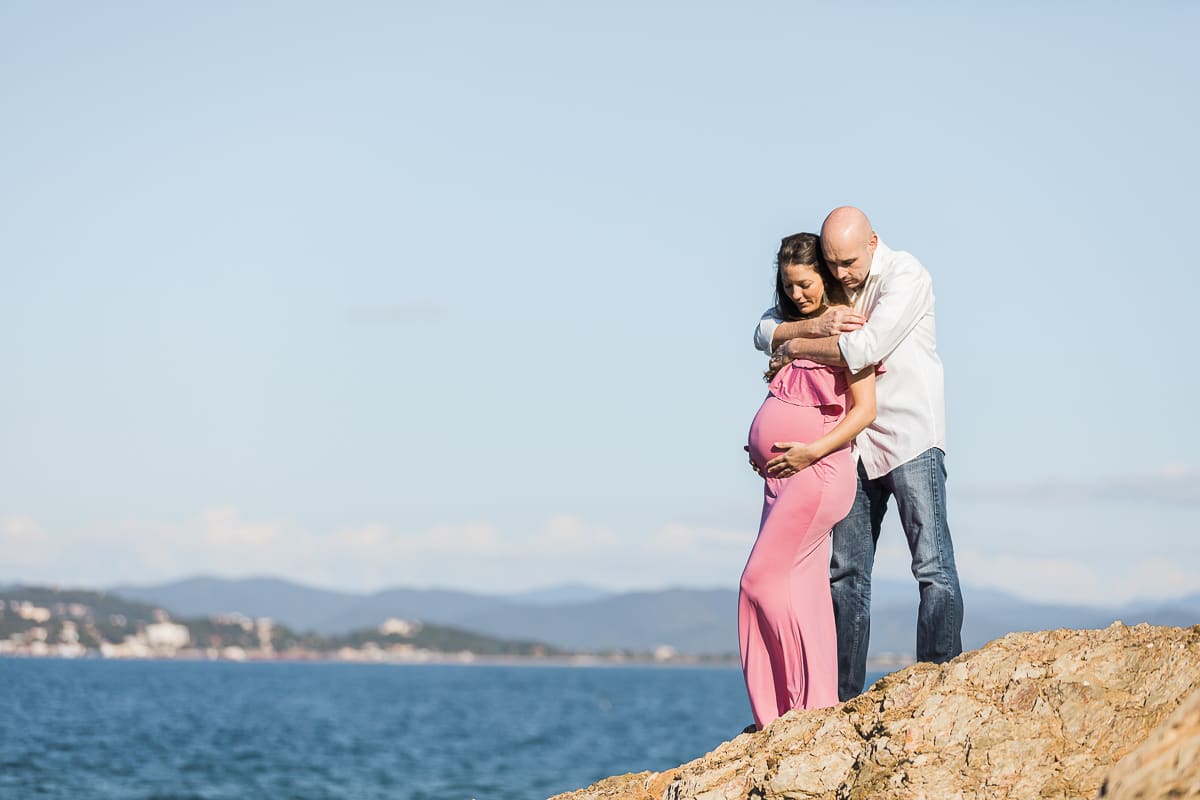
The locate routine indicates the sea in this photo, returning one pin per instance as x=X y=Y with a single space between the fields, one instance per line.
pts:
x=199 y=730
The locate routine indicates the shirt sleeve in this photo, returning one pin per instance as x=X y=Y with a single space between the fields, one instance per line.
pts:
x=904 y=298
x=765 y=330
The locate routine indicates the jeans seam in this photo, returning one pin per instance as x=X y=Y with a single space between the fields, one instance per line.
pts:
x=944 y=635
x=944 y=533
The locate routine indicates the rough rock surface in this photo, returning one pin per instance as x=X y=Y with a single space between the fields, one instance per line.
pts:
x=1167 y=764
x=1031 y=715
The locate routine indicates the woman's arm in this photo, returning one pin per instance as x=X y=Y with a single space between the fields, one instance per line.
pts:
x=798 y=455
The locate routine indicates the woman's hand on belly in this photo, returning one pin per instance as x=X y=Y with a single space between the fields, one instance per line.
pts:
x=795 y=457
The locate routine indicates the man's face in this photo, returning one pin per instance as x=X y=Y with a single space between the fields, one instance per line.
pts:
x=849 y=258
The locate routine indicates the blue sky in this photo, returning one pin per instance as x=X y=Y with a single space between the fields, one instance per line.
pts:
x=372 y=294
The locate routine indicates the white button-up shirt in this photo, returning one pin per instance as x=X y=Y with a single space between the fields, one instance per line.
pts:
x=900 y=335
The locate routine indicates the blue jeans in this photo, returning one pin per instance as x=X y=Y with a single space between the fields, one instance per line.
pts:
x=919 y=487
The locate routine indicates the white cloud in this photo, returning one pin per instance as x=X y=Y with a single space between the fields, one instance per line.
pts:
x=1062 y=580
x=701 y=543
x=1053 y=579
x=1176 y=484
x=470 y=555
x=472 y=539
x=24 y=543
x=567 y=534
x=480 y=556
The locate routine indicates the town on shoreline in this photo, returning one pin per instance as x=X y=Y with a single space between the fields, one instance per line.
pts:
x=39 y=622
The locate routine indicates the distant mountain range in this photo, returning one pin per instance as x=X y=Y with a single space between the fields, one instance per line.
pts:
x=581 y=617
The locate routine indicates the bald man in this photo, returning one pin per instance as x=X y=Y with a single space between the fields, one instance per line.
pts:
x=890 y=326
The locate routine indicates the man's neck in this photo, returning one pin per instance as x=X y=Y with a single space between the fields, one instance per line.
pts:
x=872 y=274
x=858 y=294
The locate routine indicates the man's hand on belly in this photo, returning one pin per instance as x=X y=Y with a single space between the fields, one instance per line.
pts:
x=753 y=466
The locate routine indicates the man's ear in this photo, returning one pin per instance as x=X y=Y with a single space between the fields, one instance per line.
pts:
x=874 y=240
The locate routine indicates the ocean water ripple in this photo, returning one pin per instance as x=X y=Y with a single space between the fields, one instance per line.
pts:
x=173 y=730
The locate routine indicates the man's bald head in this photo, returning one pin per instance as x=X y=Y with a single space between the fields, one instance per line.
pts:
x=846 y=223
x=849 y=245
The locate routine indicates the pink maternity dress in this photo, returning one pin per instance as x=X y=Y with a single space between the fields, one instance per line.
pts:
x=785 y=612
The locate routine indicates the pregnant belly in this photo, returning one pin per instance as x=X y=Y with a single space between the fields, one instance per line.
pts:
x=777 y=421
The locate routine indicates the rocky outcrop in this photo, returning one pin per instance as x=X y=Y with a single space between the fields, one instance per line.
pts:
x=1167 y=764
x=1031 y=715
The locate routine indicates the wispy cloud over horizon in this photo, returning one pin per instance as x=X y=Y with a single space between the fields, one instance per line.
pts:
x=481 y=556
x=222 y=541
x=1053 y=579
x=1175 y=484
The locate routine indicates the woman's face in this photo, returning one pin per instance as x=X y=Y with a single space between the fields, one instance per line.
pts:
x=803 y=284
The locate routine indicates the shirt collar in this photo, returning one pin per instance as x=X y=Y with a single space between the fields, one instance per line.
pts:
x=882 y=251
x=878 y=260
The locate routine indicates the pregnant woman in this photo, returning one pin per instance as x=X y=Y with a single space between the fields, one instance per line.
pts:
x=800 y=442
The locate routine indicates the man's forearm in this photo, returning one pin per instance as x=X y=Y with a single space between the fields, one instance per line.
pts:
x=823 y=351
x=801 y=329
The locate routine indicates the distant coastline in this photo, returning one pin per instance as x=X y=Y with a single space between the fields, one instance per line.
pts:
x=40 y=622
x=591 y=619
x=575 y=624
